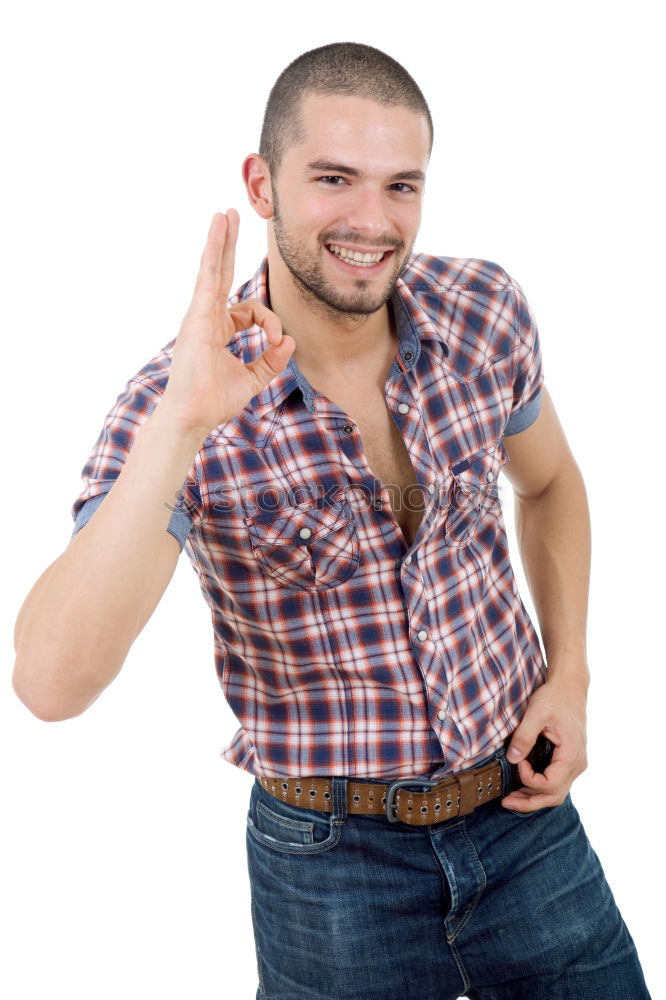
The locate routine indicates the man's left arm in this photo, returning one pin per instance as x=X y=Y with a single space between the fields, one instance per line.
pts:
x=553 y=529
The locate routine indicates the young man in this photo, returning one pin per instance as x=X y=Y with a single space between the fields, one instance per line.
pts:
x=333 y=437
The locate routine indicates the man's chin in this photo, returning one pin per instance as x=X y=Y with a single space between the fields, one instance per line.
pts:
x=360 y=308
x=327 y=298
x=354 y=306
x=358 y=302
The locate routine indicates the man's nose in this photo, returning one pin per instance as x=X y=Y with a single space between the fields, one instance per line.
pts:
x=367 y=212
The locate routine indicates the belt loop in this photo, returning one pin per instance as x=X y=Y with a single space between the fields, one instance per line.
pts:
x=339 y=804
x=506 y=770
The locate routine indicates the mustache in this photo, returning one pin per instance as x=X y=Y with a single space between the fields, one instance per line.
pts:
x=389 y=242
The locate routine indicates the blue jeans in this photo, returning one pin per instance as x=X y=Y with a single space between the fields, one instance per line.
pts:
x=492 y=906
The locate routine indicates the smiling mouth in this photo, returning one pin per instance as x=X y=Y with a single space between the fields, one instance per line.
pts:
x=356 y=258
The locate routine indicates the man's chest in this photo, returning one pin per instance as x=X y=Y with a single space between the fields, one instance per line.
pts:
x=291 y=474
x=383 y=447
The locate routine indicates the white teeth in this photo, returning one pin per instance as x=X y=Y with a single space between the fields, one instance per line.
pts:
x=354 y=257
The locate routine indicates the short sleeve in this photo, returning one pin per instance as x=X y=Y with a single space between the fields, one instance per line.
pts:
x=121 y=425
x=528 y=376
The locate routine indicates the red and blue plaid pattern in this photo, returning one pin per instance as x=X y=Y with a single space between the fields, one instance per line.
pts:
x=339 y=649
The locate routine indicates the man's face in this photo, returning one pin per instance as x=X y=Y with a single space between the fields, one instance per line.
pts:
x=353 y=188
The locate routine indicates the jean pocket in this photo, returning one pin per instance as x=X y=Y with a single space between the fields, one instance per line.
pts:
x=306 y=547
x=289 y=829
x=473 y=493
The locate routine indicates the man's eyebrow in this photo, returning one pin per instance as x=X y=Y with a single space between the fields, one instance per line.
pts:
x=327 y=166
x=408 y=175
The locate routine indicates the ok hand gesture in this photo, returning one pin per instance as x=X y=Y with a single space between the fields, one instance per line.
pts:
x=207 y=384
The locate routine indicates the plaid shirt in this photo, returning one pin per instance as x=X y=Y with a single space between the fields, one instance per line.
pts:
x=339 y=649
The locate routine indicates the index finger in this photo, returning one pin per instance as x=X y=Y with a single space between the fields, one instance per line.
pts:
x=250 y=311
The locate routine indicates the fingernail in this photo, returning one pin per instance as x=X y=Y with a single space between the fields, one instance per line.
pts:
x=514 y=755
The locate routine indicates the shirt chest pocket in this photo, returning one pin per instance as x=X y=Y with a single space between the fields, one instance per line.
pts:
x=306 y=547
x=473 y=493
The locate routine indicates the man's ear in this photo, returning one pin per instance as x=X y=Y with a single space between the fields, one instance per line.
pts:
x=258 y=185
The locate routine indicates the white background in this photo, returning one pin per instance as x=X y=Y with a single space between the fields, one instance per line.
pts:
x=122 y=869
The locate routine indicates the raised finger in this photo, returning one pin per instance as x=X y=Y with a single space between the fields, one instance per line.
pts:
x=228 y=261
x=208 y=278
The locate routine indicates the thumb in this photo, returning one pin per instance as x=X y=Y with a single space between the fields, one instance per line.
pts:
x=274 y=359
x=525 y=737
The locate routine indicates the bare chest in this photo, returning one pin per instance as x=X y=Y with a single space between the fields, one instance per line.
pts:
x=388 y=458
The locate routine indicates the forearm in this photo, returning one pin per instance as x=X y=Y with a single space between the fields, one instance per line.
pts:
x=78 y=622
x=554 y=538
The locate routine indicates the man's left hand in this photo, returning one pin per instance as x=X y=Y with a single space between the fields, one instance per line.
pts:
x=558 y=711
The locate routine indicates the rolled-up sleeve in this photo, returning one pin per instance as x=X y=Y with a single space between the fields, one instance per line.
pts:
x=107 y=457
x=528 y=375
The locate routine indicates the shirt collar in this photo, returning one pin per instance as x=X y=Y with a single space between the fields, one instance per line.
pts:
x=413 y=325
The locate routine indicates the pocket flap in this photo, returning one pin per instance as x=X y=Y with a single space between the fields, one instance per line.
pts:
x=475 y=477
x=474 y=489
x=295 y=525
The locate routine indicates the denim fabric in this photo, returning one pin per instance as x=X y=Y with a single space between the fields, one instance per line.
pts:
x=492 y=906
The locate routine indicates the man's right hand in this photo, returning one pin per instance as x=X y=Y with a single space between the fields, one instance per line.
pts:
x=207 y=384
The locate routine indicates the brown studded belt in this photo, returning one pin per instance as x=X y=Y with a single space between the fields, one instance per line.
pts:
x=416 y=801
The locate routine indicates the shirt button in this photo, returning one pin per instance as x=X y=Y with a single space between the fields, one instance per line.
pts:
x=422 y=634
x=408 y=560
x=403 y=408
x=305 y=532
x=441 y=715
x=408 y=355
x=431 y=488
x=490 y=476
x=348 y=428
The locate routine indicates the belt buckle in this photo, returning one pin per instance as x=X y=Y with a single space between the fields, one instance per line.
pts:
x=395 y=785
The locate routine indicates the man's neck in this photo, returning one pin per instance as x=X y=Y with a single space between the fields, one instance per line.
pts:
x=330 y=344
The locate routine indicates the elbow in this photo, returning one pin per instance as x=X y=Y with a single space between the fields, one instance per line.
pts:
x=43 y=707
x=46 y=714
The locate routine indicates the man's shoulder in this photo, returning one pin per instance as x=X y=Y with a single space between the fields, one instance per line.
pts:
x=425 y=272
x=470 y=303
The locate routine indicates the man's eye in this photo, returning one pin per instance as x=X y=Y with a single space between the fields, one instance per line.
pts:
x=332 y=179
x=403 y=187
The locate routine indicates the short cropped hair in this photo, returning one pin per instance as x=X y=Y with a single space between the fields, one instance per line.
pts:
x=339 y=68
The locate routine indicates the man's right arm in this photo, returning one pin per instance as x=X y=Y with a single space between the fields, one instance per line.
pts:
x=80 y=619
